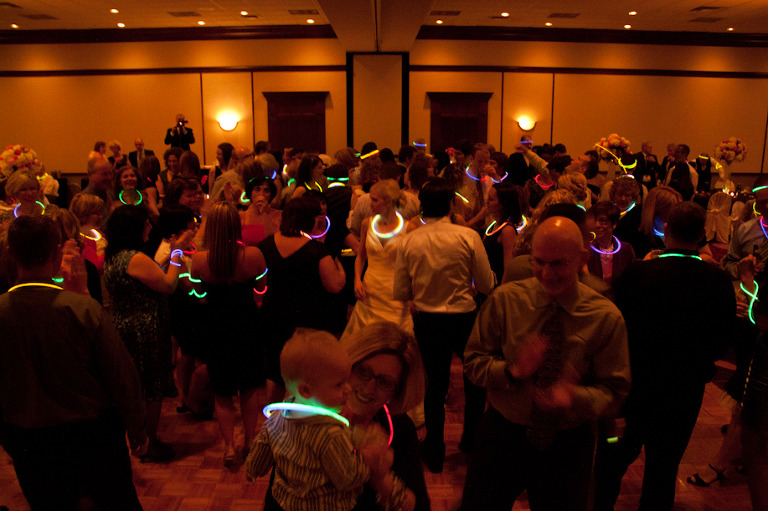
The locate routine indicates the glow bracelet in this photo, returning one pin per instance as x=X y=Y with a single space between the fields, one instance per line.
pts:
x=521 y=227
x=243 y=198
x=96 y=235
x=198 y=295
x=752 y=298
x=58 y=280
x=190 y=252
x=758 y=188
x=189 y=276
x=262 y=275
x=466 y=201
x=368 y=155
x=545 y=187
x=391 y=426
x=298 y=407
x=176 y=252
x=260 y=292
x=762 y=226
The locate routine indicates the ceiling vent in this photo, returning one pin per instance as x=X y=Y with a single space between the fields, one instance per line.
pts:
x=8 y=5
x=703 y=8
x=303 y=12
x=566 y=15
x=706 y=20
x=252 y=16
x=37 y=17
x=184 y=14
x=445 y=13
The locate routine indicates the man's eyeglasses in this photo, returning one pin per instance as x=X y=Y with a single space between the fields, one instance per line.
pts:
x=384 y=382
x=556 y=265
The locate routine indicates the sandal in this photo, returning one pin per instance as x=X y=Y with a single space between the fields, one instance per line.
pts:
x=696 y=480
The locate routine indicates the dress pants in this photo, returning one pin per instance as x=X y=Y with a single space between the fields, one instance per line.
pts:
x=504 y=463
x=663 y=424
x=439 y=336
x=58 y=464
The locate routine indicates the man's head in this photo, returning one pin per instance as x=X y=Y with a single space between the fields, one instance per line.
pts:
x=436 y=197
x=647 y=148
x=681 y=152
x=316 y=369
x=238 y=155
x=685 y=225
x=100 y=174
x=558 y=255
x=671 y=149
x=560 y=150
x=33 y=241
x=760 y=189
x=139 y=143
x=557 y=165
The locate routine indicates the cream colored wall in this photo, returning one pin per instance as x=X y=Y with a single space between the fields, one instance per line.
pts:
x=423 y=82
x=226 y=93
x=62 y=117
x=526 y=94
x=377 y=89
x=335 y=103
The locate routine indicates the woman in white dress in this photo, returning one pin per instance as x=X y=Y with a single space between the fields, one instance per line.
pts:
x=380 y=235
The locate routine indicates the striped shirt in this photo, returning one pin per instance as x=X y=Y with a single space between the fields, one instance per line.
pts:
x=316 y=466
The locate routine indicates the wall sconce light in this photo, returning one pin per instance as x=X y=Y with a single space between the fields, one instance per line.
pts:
x=526 y=123
x=228 y=121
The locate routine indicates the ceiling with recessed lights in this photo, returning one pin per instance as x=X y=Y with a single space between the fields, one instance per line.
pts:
x=389 y=24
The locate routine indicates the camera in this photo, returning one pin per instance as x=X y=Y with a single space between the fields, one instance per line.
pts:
x=182 y=123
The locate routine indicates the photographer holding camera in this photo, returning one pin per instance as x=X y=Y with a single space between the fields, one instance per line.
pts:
x=180 y=135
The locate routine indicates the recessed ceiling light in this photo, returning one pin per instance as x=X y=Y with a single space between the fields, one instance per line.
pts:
x=627 y=26
x=730 y=29
x=310 y=21
x=114 y=11
x=505 y=14
x=439 y=22
x=633 y=13
x=14 y=25
x=548 y=23
x=121 y=25
x=201 y=22
x=243 y=13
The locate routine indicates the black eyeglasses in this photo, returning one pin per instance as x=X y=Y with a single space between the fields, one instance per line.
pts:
x=384 y=382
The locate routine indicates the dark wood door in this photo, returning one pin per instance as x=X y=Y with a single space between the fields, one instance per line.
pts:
x=296 y=119
x=458 y=115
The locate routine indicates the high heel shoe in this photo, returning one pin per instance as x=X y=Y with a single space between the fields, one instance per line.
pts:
x=696 y=479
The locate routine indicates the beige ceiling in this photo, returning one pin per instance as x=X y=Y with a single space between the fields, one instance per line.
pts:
x=390 y=25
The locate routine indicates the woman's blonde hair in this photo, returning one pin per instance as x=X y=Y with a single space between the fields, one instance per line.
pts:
x=389 y=189
x=657 y=203
x=386 y=338
x=113 y=144
x=575 y=183
x=84 y=205
x=220 y=239
x=18 y=180
x=524 y=240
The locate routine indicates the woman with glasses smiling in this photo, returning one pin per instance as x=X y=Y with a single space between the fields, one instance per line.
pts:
x=387 y=381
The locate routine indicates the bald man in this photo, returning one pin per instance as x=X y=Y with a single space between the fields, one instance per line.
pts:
x=552 y=355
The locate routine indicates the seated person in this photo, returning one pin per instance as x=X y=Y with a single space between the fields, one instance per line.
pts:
x=316 y=465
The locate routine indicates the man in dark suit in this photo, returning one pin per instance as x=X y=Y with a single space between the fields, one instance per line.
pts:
x=647 y=166
x=137 y=156
x=179 y=135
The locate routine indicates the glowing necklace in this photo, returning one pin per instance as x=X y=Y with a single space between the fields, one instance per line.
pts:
x=501 y=178
x=334 y=185
x=258 y=279
x=316 y=184
x=190 y=252
x=391 y=426
x=606 y=252
x=762 y=226
x=96 y=235
x=466 y=171
x=662 y=256
x=387 y=235
x=16 y=209
x=315 y=236
x=298 y=407
x=134 y=203
x=752 y=298
x=630 y=208
x=545 y=187
x=521 y=227
x=488 y=231
x=35 y=284
x=244 y=199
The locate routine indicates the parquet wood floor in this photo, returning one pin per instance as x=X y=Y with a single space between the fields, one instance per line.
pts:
x=197 y=481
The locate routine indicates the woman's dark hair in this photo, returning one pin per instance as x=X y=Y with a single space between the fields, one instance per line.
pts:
x=119 y=172
x=681 y=180
x=436 y=196
x=510 y=197
x=417 y=172
x=174 y=219
x=256 y=182
x=125 y=229
x=149 y=169
x=99 y=144
x=299 y=215
x=226 y=152
x=454 y=175
x=178 y=151
x=607 y=209
x=502 y=160
x=592 y=166
x=189 y=165
x=304 y=174
x=177 y=186
x=250 y=168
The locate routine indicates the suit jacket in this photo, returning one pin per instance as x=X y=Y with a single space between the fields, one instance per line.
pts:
x=133 y=157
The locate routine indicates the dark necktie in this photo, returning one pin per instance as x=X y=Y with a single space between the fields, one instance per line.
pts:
x=544 y=423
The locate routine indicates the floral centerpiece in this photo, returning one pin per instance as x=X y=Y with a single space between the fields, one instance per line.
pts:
x=612 y=147
x=17 y=157
x=730 y=150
